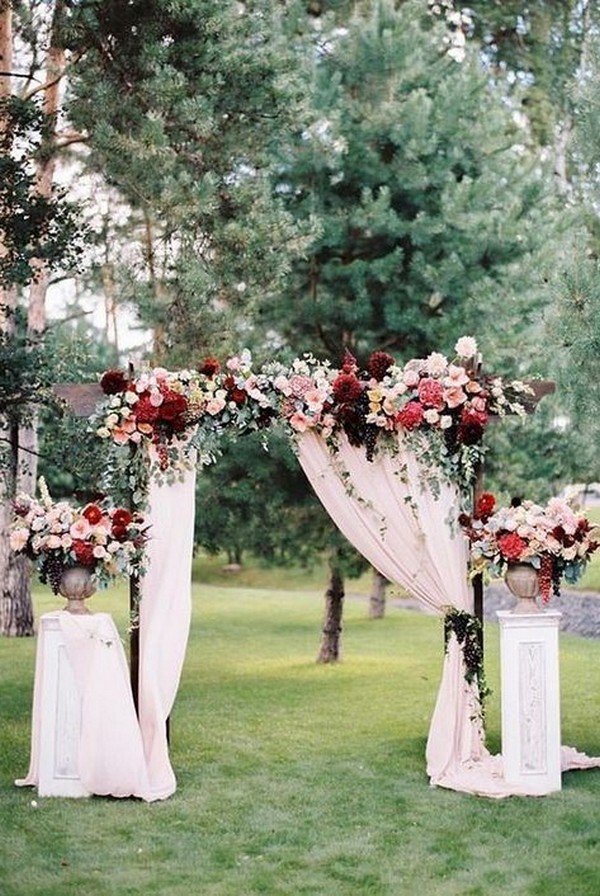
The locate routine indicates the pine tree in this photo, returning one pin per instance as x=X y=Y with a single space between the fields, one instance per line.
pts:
x=183 y=104
x=432 y=210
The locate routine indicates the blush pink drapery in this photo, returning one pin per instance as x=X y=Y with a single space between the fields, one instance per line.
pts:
x=119 y=756
x=110 y=753
x=165 y=613
x=387 y=511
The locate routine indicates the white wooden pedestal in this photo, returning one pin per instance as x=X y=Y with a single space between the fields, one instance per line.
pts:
x=530 y=688
x=60 y=719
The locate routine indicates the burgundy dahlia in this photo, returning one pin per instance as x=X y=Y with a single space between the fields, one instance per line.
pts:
x=119 y=533
x=471 y=426
x=347 y=387
x=210 y=366
x=378 y=365
x=84 y=552
x=113 y=381
x=485 y=506
x=145 y=411
x=121 y=517
x=173 y=408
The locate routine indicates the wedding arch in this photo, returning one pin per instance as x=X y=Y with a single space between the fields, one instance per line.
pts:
x=392 y=453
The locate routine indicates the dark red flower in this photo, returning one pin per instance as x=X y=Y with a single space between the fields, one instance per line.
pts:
x=92 y=513
x=471 y=426
x=173 y=408
x=511 y=546
x=237 y=395
x=121 y=517
x=119 y=532
x=144 y=410
x=84 y=552
x=411 y=415
x=378 y=365
x=113 y=381
x=210 y=366
x=485 y=506
x=347 y=387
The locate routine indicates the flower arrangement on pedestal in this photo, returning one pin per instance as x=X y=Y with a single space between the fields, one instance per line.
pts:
x=553 y=539
x=109 y=542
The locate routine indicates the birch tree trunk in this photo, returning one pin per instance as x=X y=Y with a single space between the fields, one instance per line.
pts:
x=45 y=172
x=16 y=617
x=16 y=610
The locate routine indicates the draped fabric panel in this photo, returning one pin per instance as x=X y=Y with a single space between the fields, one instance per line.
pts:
x=110 y=755
x=165 y=613
x=387 y=511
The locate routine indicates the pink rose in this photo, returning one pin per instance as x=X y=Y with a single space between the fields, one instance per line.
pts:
x=80 y=529
x=18 y=539
x=431 y=393
x=411 y=377
x=299 y=421
x=300 y=385
x=454 y=397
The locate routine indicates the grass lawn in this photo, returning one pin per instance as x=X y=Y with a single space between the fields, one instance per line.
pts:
x=302 y=780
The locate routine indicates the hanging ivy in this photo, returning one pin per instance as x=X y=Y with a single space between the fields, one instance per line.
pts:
x=468 y=632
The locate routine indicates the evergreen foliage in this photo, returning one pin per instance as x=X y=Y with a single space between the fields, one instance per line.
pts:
x=256 y=500
x=432 y=209
x=538 y=46
x=33 y=226
x=574 y=319
x=183 y=104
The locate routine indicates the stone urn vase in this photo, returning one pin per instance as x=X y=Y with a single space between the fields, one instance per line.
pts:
x=76 y=585
x=522 y=581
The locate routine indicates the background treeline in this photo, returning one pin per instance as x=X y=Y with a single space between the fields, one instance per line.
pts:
x=291 y=177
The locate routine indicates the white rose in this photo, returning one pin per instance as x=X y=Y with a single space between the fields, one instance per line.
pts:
x=466 y=347
x=432 y=416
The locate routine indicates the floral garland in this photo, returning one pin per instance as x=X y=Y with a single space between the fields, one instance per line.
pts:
x=553 y=539
x=165 y=409
x=442 y=407
x=109 y=541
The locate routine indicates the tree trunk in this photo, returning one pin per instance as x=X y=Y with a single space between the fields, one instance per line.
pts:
x=16 y=617
x=377 y=597
x=16 y=610
x=331 y=636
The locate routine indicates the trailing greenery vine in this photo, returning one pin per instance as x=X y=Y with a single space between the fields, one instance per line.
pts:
x=468 y=632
